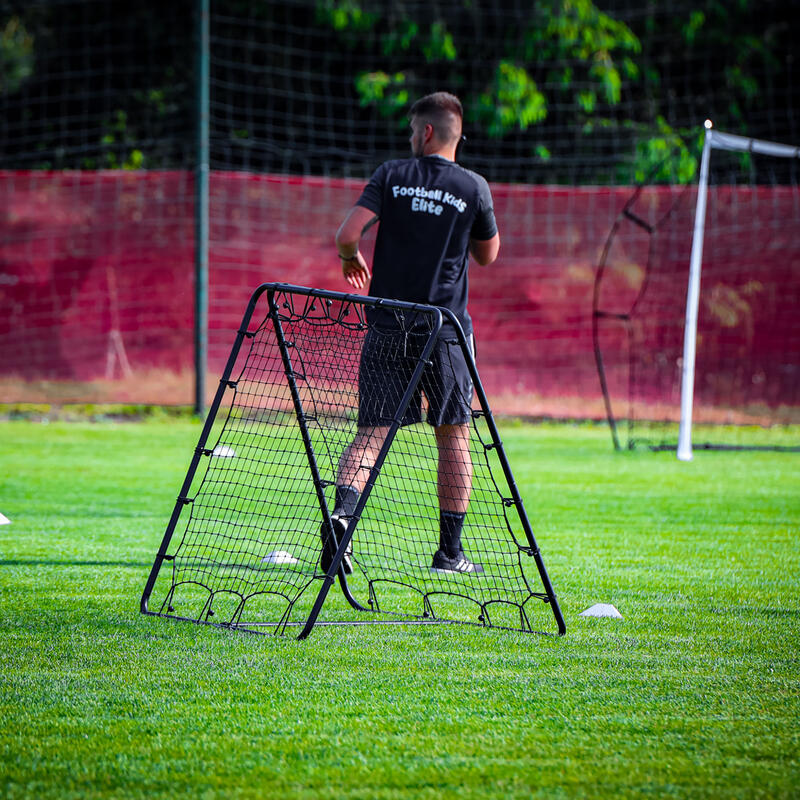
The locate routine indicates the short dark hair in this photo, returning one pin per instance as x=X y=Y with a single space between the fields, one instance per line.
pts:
x=436 y=109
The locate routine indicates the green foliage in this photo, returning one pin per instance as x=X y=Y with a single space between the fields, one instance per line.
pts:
x=100 y=89
x=745 y=57
x=587 y=100
x=597 y=47
x=663 y=155
x=120 y=141
x=565 y=65
x=344 y=15
x=439 y=44
x=386 y=92
x=16 y=55
x=695 y=22
x=401 y=38
x=118 y=144
x=582 y=84
x=512 y=101
x=580 y=28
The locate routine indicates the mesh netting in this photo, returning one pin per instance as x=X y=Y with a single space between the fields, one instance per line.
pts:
x=99 y=144
x=246 y=551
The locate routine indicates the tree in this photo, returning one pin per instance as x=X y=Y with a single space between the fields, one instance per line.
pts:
x=577 y=75
x=570 y=91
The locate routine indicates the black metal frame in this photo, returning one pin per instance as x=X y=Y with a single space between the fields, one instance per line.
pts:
x=335 y=568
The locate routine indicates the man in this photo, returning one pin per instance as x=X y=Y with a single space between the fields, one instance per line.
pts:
x=432 y=214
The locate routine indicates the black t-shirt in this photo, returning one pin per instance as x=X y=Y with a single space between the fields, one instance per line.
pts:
x=429 y=208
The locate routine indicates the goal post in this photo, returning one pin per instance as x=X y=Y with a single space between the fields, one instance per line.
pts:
x=690 y=362
x=684 y=449
x=243 y=546
x=721 y=141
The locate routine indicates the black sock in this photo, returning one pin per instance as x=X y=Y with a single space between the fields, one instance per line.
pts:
x=450 y=525
x=346 y=500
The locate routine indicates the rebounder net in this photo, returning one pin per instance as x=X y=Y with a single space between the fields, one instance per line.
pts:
x=747 y=369
x=243 y=548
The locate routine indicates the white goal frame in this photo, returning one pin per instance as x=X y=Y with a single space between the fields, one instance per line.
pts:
x=721 y=141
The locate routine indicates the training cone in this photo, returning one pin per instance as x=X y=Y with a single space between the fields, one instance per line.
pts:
x=602 y=610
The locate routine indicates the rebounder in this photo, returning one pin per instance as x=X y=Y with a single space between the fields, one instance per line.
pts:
x=243 y=548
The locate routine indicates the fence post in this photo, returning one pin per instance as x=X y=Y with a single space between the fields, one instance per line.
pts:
x=201 y=209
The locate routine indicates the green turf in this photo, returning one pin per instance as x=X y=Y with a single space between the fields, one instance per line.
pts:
x=695 y=693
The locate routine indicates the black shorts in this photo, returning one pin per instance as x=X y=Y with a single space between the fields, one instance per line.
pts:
x=388 y=360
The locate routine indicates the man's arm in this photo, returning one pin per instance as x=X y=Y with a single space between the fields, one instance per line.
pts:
x=485 y=251
x=354 y=267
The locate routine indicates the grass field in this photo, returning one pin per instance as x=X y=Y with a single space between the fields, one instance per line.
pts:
x=694 y=693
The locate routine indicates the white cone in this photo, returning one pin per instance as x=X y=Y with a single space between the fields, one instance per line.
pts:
x=4 y=520
x=602 y=610
x=279 y=557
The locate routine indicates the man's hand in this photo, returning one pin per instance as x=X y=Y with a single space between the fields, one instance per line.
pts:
x=356 y=271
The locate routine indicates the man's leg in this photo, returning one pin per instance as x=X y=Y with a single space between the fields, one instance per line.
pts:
x=358 y=458
x=351 y=477
x=454 y=488
x=455 y=468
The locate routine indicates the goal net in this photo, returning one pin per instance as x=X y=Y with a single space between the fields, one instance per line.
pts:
x=696 y=329
x=243 y=548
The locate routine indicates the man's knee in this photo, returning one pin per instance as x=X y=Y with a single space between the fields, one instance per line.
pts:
x=452 y=439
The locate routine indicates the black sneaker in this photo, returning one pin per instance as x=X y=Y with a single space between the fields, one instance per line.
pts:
x=458 y=563
x=329 y=551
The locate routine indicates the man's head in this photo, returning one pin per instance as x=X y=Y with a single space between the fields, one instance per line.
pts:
x=436 y=121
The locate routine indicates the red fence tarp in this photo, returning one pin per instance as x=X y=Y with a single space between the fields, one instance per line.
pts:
x=96 y=280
